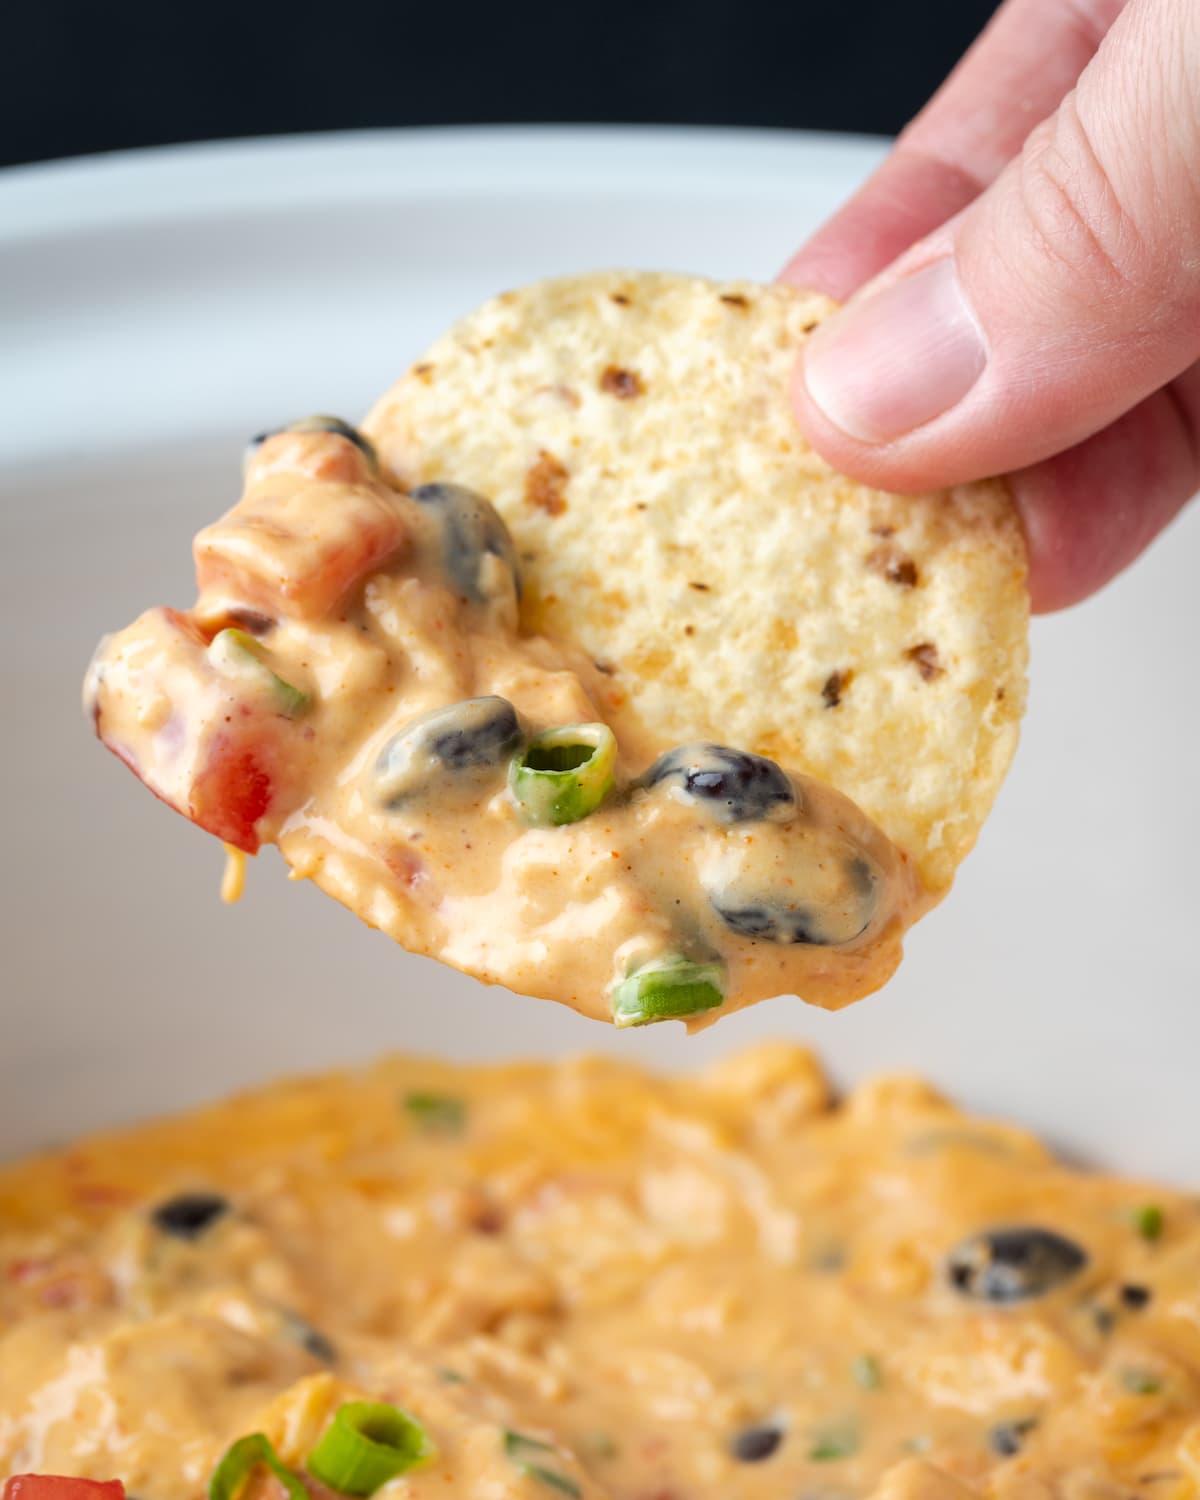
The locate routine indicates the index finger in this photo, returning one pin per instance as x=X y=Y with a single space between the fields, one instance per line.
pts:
x=1015 y=74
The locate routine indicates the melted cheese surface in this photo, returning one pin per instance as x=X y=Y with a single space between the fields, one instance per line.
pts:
x=293 y=706
x=689 y=1288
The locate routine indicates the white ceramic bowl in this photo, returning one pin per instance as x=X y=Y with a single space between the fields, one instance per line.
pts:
x=157 y=308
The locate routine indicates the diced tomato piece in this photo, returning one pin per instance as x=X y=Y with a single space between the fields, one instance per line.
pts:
x=297 y=546
x=28 y=1267
x=59 y=1487
x=214 y=754
x=320 y=455
x=232 y=793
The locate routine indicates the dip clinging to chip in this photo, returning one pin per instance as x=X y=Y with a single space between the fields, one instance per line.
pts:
x=579 y=670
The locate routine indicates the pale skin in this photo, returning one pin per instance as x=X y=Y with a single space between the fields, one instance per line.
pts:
x=1024 y=282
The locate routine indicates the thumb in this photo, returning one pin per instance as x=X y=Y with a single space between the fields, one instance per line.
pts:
x=1064 y=295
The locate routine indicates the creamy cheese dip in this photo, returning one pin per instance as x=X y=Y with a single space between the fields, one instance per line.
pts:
x=353 y=686
x=584 y=1280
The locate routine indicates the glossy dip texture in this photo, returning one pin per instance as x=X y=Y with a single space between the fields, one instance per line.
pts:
x=354 y=686
x=685 y=1288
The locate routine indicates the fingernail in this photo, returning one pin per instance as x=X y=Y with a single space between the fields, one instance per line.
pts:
x=898 y=359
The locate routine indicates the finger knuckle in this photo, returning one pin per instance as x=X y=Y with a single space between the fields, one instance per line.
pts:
x=1079 y=222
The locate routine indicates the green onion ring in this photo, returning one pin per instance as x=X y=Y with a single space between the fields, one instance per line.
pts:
x=564 y=774
x=436 y=1114
x=235 y=653
x=667 y=989
x=366 y=1444
x=1149 y=1221
x=240 y=1461
x=833 y=1443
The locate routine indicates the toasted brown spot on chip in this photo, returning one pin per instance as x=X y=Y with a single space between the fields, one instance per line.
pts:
x=735 y=299
x=893 y=566
x=423 y=372
x=807 y=327
x=835 y=686
x=545 y=483
x=620 y=298
x=625 y=385
x=883 y=530
x=689 y=630
x=606 y=667
x=925 y=658
x=701 y=588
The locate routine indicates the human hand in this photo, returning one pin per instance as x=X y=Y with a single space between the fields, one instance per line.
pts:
x=1046 y=321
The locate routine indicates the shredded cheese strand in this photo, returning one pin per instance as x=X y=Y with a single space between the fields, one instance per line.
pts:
x=233 y=881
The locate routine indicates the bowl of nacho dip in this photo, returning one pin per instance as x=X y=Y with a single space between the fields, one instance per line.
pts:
x=583 y=1278
x=648 y=1266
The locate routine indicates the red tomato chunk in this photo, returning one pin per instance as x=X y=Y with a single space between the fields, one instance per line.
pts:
x=58 y=1487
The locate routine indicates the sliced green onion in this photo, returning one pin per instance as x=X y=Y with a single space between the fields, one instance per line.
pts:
x=667 y=988
x=1149 y=1221
x=867 y=1374
x=239 y=1463
x=525 y=1453
x=436 y=1114
x=234 y=653
x=832 y=1443
x=564 y=774
x=556 y=1481
x=1140 y=1382
x=366 y=1444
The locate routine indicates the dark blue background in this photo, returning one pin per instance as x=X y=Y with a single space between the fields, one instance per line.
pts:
x=94 y=75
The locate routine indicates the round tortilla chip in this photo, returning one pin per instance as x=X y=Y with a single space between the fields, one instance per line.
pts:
x=635 y=432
